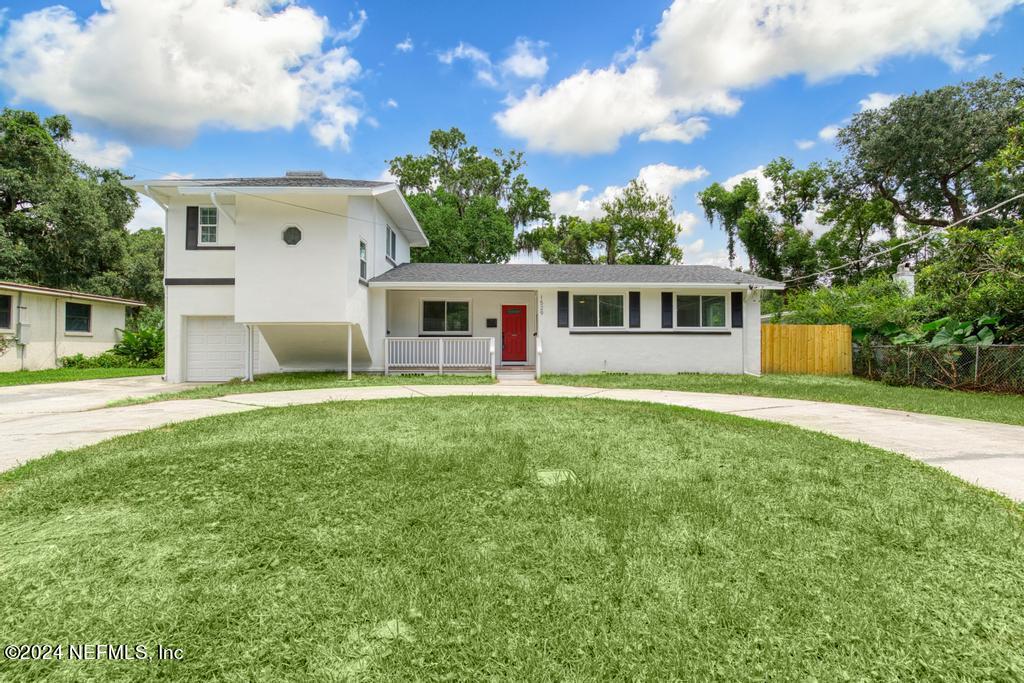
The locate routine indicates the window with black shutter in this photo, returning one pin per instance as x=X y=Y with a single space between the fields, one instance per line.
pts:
x=666 y=310
x=563 y=309
x=634 y=309
x=737 y=309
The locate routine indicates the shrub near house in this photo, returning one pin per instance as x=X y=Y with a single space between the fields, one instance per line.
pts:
x=141 y=347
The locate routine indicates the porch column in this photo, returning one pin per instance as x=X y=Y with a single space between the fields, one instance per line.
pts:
x=348 y=354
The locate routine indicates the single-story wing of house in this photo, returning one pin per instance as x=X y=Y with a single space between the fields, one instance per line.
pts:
x=43 y=324
x=307 y=272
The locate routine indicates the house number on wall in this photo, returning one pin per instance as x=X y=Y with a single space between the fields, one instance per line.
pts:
x=540 y=304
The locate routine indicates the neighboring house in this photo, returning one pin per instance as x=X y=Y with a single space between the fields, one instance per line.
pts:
x=45 y=324
x=306 y=272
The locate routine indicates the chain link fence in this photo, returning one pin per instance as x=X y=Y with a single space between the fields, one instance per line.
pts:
x=999 y=367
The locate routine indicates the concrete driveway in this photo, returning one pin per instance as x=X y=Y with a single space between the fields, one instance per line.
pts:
x=983 y=453
x=74 y=397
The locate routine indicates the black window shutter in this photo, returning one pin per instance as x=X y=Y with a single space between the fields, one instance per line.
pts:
x=563 y=309
x=634 y=309
x=191 y=227
x=737 y=309
x=666 y=309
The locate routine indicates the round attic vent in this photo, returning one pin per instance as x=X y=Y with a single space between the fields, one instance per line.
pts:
x=291 y=235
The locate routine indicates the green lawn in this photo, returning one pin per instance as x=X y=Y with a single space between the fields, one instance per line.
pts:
x=1004 y=408
x=286 y=381
x=10 y=379
x=412 y=540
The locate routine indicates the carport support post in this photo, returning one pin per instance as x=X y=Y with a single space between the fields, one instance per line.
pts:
x=348 y=354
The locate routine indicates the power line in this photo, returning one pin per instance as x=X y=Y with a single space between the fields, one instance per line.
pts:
x=920 y=237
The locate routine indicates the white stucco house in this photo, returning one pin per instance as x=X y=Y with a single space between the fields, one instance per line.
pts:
x=306 y=272
x=43 y=324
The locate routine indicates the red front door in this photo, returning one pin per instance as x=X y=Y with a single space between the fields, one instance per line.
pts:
x=513 y=334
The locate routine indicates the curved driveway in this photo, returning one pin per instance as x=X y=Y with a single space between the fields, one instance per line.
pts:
x=35 y=421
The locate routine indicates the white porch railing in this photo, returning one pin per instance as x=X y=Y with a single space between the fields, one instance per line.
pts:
x=439 y=352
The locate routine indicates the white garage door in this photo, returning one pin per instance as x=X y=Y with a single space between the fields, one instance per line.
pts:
x=215 y=350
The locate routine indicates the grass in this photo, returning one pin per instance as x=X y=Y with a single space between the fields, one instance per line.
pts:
x=287 y=381
x=411 y=540
x=20 y=377
x=1005 y=408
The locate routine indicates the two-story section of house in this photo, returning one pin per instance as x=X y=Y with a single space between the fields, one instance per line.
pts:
x=265 y=274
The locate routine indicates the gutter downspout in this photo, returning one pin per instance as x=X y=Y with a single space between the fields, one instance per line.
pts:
x=19 y=343
x=748 y=296
x=56 y=363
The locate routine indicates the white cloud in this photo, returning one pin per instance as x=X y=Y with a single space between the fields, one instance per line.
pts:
x=804 y=144
x=695 y=254
x=665 y=178
x=405 y=46
x=109 y=154
x=764 y=186
x=685 y=131
x=355 y=27
x=591 y=110
x=178 y=176
x=527 y=60
x=464 y=51
x=481 y=61
x=829 y=132
x=386 y=177
x=391 y=103
x=630 y=53
x=165 y=69
x=703 y=52
x=687 y=222
x=877 y=100
x=662 y=179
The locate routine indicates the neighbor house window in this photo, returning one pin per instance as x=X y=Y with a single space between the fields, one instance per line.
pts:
x=700 y=311
x=446 y=317
x=362 y=260
x=207 y=225
x=597 y=310
x=391 y=244
x=77 y=317
x=5 y=311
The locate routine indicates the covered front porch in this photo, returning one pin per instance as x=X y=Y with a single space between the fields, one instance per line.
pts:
x=461 y=330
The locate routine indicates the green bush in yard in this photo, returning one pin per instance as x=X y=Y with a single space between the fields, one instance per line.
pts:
x=141 y=345
x=110 y=359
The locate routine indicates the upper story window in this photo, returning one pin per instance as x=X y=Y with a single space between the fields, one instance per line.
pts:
x=5 y=311
x=391 y=242
x=207 y=225
x=77 y=317
x=597 y=310
x=362 y=260
x=700 y=311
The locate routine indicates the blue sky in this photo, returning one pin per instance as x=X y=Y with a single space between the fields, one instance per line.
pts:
x=691 y=91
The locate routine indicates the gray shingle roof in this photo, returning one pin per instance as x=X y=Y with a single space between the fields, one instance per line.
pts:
x=285 y=181
x=516 y=273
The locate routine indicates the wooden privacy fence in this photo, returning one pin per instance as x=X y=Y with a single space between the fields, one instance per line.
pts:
x=806 y=349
